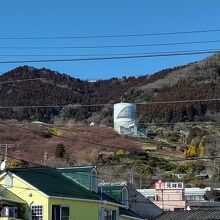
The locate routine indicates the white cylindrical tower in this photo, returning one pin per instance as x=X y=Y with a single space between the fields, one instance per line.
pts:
x=124 y=116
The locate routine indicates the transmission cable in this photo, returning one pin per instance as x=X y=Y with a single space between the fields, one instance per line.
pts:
x=108 y=58
x=105 y=54
x=106 y=104
x=113 y=36
x=110 y=46
x=110 y=146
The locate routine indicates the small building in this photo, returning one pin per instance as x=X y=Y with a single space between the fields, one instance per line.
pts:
x=126 y=194
x=125 y=118
x=193 y=197
x=170 y=195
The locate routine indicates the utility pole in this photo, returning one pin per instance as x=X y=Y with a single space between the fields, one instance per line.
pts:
x=6 y=147
x=45 y=157
x=140 y=184
x=132 y=176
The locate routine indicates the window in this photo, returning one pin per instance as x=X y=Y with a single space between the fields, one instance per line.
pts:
x=194 y=198
x=127 y=112
x=60 y=212
x=108 y=214
x=37 y=212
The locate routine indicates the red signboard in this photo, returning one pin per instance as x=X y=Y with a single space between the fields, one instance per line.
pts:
x=160 y=185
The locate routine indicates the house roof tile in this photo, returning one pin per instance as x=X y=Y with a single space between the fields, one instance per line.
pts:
x=199 y=214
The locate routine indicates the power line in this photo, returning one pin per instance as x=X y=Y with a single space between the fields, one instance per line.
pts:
x=55 y=106
x=109 y=105
x=76 y=194
x=110 y=46
x=109 y=136
x=106 y=54
x=183 y=122
x=180 y=101
x=67 y=138
x=110 y=146
x=108 y=58
x=39 y=165
x=113 y=36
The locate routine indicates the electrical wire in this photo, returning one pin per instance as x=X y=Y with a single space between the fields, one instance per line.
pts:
x=64 y=193
x=181 y=122
x=67 y=138
x=110 y=46
x=106 y=54
x=176 y=101
x=70 y=194
x=109 y=146
x=113 y=36
x=108 y=105
x=108 y=58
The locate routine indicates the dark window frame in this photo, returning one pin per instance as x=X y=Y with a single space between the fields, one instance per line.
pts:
x=58 y=211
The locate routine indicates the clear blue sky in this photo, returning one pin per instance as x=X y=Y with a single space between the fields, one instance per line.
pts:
x=48 y=18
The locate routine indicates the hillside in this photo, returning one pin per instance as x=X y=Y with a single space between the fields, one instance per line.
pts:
x=198 y=80
x=53 y=89
x=117 y=158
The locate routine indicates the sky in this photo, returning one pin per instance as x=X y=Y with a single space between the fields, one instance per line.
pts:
x=70 y=18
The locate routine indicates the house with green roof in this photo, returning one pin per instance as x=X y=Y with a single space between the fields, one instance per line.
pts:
x=126 y=194
x=45 y=193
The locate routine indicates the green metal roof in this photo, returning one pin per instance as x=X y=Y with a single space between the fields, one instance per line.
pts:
x=6 y=195
x=53 y=183
x=80 y=174
x=115 y=191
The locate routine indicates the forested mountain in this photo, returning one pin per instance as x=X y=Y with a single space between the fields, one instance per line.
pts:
x=200 y=80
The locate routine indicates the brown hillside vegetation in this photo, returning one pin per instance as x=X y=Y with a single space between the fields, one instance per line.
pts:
x=198 y=80
x=83 y=144
x=54 y=88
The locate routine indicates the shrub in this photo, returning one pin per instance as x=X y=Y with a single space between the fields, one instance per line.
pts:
x=14 y=163
x=46 y=134
x=120 y=152
x=60 y=151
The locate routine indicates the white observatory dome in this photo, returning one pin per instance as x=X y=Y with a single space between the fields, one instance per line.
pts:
x=124 y=116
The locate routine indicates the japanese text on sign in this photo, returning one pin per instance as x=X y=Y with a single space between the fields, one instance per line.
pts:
x=173 y=185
